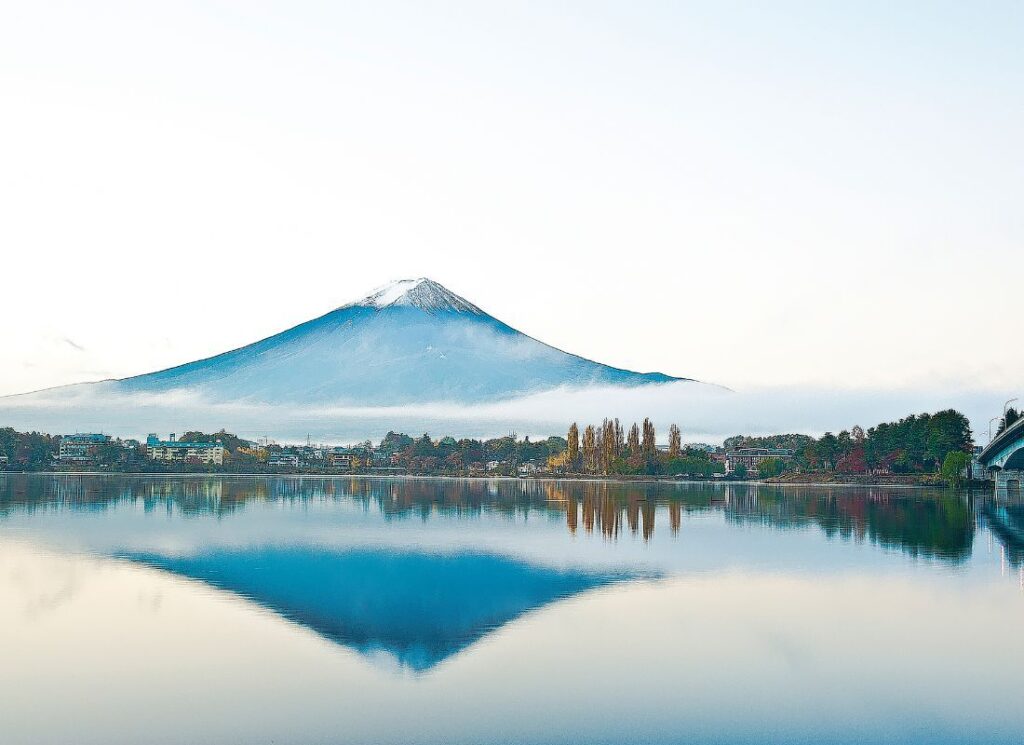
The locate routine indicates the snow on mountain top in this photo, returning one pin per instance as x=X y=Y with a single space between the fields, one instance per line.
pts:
x=392 y=293
x=421 y=293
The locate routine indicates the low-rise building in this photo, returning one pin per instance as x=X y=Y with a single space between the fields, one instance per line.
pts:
x=341 y=458
x=284 y=459
x=176 y=451
x=81 y=447
x=315 y=454
x=751 y=458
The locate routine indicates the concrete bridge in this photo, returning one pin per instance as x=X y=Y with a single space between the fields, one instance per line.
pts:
x=1004 y=458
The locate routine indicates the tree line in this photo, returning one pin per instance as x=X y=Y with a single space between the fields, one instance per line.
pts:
x=448 y=455
x=918 y=443
x=27 y=450
x=607 y=449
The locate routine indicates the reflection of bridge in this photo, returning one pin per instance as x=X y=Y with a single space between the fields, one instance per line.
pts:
x=1004 y=457
x=1005 y=519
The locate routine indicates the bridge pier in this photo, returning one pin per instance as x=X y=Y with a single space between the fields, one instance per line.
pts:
x=1008 y=482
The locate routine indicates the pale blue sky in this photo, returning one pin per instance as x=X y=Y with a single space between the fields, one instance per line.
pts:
x=819 y=194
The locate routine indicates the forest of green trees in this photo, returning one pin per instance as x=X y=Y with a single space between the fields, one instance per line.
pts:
x=448 y=455
x=916 y=444
x=31 y=451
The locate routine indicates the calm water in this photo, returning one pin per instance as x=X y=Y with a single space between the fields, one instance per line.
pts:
x=288 y=610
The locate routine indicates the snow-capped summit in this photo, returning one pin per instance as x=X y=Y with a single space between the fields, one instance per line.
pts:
x=422 y=293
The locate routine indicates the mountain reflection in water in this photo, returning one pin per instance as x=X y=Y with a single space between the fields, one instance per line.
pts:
x=416 y=608
x=729 y=613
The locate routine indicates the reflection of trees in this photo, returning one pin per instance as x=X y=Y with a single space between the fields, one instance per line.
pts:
x=674 y=517
x=934 y=523
x=937 y=523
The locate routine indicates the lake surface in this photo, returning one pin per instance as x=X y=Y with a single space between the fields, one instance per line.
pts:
x=344 y=610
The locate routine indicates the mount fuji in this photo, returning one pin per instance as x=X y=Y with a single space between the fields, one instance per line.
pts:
x=413 y=341
x=413 y=355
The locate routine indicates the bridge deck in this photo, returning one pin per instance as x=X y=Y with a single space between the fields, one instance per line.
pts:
x=995 y=449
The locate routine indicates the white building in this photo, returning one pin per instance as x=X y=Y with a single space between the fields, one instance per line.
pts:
x=283 y=460
x=206 y=453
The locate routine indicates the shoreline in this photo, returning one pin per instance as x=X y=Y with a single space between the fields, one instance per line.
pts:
x=909 y=483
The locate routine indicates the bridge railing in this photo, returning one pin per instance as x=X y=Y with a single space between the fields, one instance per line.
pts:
x=999 y=440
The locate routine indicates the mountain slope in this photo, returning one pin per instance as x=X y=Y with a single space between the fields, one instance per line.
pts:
x=412 y=342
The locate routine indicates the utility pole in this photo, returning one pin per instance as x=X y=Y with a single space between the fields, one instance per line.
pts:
x=515 y=454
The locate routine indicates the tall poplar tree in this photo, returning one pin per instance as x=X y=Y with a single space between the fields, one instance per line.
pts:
x=572 y=451
x=607 y=445
x=648 y=435
x=675 y=441
x=633 y=443
x=589 y=448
